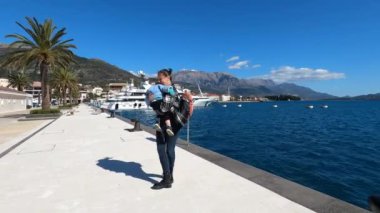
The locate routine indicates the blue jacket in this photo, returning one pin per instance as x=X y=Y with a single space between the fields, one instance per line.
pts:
x=159 y=90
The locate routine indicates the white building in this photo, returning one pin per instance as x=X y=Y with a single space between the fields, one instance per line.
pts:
x=97 y=91
x=35 y=90
x=225 y=98
x=4 y=83
x=83 y=95
x=12 y=100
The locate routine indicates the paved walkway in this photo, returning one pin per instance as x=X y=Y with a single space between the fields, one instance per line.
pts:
x=12 y=130
x=89 y=163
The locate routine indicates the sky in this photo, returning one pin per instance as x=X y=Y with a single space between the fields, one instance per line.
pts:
x=331 y=46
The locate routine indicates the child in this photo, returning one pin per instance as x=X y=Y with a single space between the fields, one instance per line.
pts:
x=159 y=97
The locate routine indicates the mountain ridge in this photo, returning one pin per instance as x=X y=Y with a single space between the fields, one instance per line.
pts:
x=98 y=72
x=218 y=82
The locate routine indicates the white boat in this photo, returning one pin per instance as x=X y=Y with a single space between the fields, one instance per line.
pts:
x=325 y=106
x=224 y=105
x=131 y=98
x=310 y=107
x=239 y=105
x=105 y=104
x=202 y=100
x=275 y=106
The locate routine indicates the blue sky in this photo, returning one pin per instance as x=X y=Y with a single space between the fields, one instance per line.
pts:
x=330 y=46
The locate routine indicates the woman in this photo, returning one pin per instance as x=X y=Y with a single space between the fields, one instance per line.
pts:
x=165 y=143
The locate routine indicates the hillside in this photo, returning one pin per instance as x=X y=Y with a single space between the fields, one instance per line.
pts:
x=100 y=73
x=219 y=82
x=369 y=97
x=89 y=71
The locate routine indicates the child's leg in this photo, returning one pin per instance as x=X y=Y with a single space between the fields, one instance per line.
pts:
x=167 y=122
x=169 y=129
x=157 y=126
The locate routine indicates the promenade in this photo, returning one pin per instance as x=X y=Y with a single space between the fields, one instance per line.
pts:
x=88 y=162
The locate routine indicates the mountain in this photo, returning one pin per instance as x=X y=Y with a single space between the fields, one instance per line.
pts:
x=89 y=71
x=369 y=97
x=219 y=82
x=100 y=73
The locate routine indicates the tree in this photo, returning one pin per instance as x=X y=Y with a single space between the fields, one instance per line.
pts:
x=19 y=80
x=64 y=80
x=42 y=46
x=74 y=93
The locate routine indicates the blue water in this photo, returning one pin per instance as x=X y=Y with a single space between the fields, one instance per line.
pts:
x=334 y=150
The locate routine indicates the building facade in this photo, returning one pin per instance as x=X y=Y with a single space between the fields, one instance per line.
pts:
x=12 y=100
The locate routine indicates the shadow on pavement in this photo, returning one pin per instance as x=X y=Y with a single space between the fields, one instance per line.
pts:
x=132 y=169
x=13 y=116
x=151 y=139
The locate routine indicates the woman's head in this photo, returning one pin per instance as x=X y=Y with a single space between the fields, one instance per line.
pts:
x=164 y=76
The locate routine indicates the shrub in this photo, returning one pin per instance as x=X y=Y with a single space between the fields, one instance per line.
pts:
x=41 y=111
x=65 y=107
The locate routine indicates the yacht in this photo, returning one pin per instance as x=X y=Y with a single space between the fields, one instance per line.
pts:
x=202 y=100
x=131 y=98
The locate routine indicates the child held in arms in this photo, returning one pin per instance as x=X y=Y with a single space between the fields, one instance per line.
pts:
x=160 y=97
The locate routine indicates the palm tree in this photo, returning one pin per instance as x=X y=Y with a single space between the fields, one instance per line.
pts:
x=19 y=80
x=74 y=93
x=44 y=48
x=63 y=80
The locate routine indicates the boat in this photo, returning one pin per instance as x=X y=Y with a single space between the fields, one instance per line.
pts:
x=275 y=106
x=325 y=106
x=239 y=105
x=224 y=105
x=202 y=100
x=310 y=106
x=132 y=97
x=104 y=105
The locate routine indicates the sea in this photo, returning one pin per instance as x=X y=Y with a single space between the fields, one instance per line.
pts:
x=334 y=150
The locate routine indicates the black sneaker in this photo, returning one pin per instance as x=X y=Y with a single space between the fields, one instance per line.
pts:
x=164 y=183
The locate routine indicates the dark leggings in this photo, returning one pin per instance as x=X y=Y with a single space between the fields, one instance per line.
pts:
x=165 y=148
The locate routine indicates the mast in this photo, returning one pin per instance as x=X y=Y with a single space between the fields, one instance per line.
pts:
x=200 y=91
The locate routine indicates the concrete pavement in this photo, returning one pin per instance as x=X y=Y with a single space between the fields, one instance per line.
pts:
x=89 y=163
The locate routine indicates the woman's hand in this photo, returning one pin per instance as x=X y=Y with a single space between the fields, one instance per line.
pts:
x=150 y=97
x=187 y=95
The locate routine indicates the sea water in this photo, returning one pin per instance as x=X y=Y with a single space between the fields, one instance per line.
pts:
x=334 y=150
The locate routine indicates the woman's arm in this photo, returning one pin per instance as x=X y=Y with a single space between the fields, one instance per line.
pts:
x=187 y=95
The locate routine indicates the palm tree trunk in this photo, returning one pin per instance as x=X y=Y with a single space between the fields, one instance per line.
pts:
x=60 y=96
x=71 y=96
x=64 y=96
x=44 y=68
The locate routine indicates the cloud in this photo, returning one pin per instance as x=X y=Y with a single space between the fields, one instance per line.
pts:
x=239 y=65
x=186 y=69
x=291 y=74
x=233 y=58
x=255 y=66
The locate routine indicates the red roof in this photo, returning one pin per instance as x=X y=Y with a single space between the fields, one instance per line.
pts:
x=36 y=84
